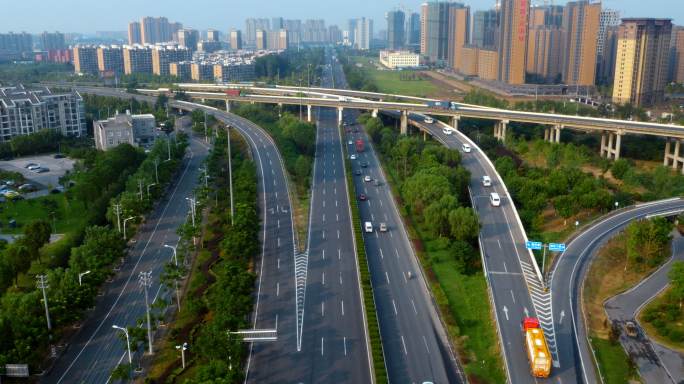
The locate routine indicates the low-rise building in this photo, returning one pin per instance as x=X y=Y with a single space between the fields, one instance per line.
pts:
x=24 y=111
x=399 y=59
x=137 y=130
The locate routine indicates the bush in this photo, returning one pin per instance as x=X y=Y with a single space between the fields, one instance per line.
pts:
x=658 y=323
x=442 y=243
x=677 y=336
x=648 y=317
x=663 y=331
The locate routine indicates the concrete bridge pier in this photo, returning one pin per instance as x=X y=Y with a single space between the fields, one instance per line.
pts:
x=403 y=129
x=375 y=113
x=426 y=136
x=454 y=122
x=500 y=130
x=308 y=112
x=552 y=133
x=674 y=156
x=228 y=105
x=339 y=114
x=608 y=150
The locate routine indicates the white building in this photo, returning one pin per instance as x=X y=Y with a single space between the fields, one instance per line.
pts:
x=363 y=33
x=608 y=18
x=399 y=59
x=137 y=130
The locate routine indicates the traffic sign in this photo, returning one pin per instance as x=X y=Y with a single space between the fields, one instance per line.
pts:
x=533 y=245
x=557 y=247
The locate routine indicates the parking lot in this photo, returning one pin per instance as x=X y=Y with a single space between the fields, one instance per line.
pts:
x=58 y=167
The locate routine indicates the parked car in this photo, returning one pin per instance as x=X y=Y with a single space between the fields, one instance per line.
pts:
x=59 y=156
x=29 y=165
x=11 y=194
x=7 y=159
x=55 y=191
x=43 y=170
x=362 y=197
x=34 y=166
x=17 y=198
x=28 y=188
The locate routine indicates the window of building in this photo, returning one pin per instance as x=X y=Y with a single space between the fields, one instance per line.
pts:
x=111 y=142
x=111 y=133
x=144 y=131
x=128 y=133
x=118 y=133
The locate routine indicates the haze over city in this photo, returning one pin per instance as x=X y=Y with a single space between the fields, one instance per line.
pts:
x=83 y=16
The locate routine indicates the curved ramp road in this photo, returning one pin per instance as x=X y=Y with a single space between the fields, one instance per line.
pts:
x=415 y=344
x=567 y=276
x=654 y=366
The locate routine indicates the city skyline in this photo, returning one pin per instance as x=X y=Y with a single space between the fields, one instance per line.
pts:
x=60 y=16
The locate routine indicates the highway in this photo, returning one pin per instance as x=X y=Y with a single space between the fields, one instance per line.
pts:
x=511 y=274
x=97 y=349
x=417 y=348
x=567 y=277
x=626 y=306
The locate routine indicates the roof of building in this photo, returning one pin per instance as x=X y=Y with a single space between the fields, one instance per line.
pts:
x=12 y=93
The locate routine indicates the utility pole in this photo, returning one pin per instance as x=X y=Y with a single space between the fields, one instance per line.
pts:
x=230 y=176
x=43 y=284
x=156 y=173
x=204 y=170
x=191 y=200
x=118 y=212
x=146 y=281
x=205 y=128
x=140 y=184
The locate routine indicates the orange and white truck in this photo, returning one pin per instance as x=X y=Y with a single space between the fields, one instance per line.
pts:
x=537 y=349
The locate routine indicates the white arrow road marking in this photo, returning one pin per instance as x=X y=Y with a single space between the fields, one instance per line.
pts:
x=561 y=316
x=527 y=314
x=506 y=312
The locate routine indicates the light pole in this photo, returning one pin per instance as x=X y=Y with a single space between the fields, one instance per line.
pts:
x=130 y=361
x=205 y=175
x=191 y=200
x=81 y=275
x=176 y=280
x=148 y=188
x=146 y=281
x=156 y=172
x=54 y=223
x=125 y=226
x=174 y=252
x=183 y=348
x=99 y=114
x=43 y=284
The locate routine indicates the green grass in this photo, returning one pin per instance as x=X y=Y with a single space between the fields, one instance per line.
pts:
x=612 y=360
x=24 y=211
x=391 y=82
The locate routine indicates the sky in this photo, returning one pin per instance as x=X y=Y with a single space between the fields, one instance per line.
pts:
x=89 y=16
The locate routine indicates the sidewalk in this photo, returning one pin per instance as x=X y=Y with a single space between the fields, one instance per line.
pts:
x=10 y=238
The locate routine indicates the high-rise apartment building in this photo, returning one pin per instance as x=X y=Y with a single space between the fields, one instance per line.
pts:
x=351 y=29
x=334 y=34
x=110 y=58
x=609 y=47
x=85 y=59
x=213 y=35
x=513 y=41
x=314 y=31
x=189 y=37
x=459 y=30
x=18 y=43
x=235 y=39
x=364 y=33
x=229 y=71
x=158 y=30
x=162 y=56
x=484 y=28
x=181 y=69
x=26 y=111
x=52 y=41
x=641 y=65
x=413 y=29
x=294 y=29
x=675 y=71
x=283 y=39
x=261 y=39
x=395 y=30
x=545 y=51
x=581 y=24
x=608 y=18
x=434 y=33
x=252 y=25
x=276 y=23
x=202 y=71
x=209 y=46
x=134 y=33
x=137 y=59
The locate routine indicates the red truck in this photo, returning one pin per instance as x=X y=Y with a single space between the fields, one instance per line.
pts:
x=359 y=146
x=233 y=92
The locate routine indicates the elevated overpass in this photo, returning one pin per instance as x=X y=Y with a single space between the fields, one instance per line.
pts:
x=612 y=130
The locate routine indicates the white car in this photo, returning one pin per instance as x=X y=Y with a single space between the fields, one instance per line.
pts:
x=429 y=120
x=350 y=142
x=353 y=157
x=466 y=148
x=34 y=166
x=447 y=131
x=367 y=178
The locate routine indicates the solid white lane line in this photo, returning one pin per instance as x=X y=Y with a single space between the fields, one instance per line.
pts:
x=276 y=326
x=323 y=217
x=324 y=254
x=426 y=346
x=321 y=346
x=403 y=342
x=513 y=296
x=324 y=234
x=324 y=279
x=345 y=346
x=395 y=307
x=498 y=241
x=395 y=250
x=323 y=308
x=343 y=308
x=338 y=233
x=278 y=263
x=387 y=276
x=414 y=307
x=278 y=289
x=381 y=256
x=337 y=216
x=339 y=254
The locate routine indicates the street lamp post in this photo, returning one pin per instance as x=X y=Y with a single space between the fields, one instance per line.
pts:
x=130 y=360
x=81 y=275
x=175 y=257
x=148 y=188
x=183 y=348
x=125 y=226
x=191 y=200
x=174 y=252
x=99 y=114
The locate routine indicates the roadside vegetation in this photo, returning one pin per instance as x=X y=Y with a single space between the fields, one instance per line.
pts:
x=219 y=296
x=624 y=261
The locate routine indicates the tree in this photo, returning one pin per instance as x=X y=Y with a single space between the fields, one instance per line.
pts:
x=632 y=366
x=36 y=235
x=302 y=168
x=558 y=183
x=566 y=207
x=465 y=224
x=676 y=276
x=619 y=169
x=425 y=188
x=17 y=259
x=122 y=372
x=614 y=333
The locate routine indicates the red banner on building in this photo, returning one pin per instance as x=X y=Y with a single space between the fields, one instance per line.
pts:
x=108 y=74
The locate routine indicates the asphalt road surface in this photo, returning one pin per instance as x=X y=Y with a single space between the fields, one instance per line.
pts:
x=97 y=350
x=626 y=306
x=567 y=276
x=416 y=347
